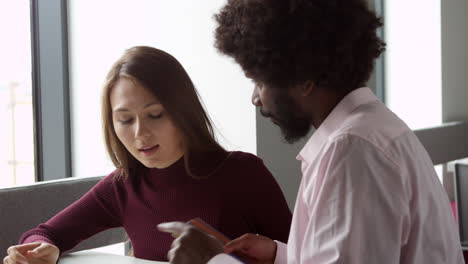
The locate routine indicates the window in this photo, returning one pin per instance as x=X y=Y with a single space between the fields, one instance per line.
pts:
x=413 y=87
x=16 y=112
x=413 y=70
x=100 y=31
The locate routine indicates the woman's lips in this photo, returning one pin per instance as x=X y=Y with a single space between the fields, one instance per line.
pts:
x=149 y=150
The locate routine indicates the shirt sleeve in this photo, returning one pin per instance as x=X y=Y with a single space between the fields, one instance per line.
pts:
x=96 y=211
x=266 y=204
x=224 y=259
x=227 y=259
x=356 y=207
x=281 y=253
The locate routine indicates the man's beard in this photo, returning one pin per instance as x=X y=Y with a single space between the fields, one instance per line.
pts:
x=292 y=121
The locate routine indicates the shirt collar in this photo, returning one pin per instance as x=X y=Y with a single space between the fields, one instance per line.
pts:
x=334 y=120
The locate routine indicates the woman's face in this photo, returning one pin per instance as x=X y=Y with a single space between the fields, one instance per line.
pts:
x=143 y=126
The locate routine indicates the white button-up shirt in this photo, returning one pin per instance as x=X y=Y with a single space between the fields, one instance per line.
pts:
x=369 y=194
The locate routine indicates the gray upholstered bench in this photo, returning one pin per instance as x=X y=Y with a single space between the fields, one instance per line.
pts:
x=23 y=208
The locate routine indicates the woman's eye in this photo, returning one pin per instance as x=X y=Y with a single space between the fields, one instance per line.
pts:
x=125 y=121
x=157 y=116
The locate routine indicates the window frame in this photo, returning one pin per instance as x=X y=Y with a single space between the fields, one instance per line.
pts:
x=380 y=62
x=50 y=89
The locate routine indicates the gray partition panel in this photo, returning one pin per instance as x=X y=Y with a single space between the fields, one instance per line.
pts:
x=461 y=198
x=445 y=143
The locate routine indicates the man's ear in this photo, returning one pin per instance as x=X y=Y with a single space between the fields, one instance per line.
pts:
x=306 y=88
x=302 y=90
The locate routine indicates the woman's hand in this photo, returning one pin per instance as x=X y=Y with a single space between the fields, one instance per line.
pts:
x=32 y=253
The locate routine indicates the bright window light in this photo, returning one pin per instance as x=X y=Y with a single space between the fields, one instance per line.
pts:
x=16 y=114
x=413 y=71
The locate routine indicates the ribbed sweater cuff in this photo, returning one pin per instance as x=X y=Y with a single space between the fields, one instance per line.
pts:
x=36 y=238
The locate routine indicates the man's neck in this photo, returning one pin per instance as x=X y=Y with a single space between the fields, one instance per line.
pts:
x=322 y=104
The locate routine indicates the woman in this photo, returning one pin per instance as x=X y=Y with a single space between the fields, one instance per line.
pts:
x=169 y=168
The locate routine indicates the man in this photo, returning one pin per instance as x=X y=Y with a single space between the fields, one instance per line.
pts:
x=369 y=193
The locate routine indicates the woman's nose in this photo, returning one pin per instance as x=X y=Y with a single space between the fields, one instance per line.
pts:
x=141 y=130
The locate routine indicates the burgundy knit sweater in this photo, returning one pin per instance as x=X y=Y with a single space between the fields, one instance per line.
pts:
x=240 y=197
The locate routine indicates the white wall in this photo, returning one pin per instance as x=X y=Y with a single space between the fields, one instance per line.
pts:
x=101 y=30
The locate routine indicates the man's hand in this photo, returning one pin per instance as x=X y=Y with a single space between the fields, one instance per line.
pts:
x=253 y=249
x=191 y=245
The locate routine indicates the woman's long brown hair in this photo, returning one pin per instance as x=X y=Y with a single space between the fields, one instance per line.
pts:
x=165 y=78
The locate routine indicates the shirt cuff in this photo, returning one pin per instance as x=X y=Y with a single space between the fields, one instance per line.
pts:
x=224 y=259
x=281 y=253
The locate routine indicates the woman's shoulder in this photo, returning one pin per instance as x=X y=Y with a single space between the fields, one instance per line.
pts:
x=247 y=171
x=244 y=157
x=113 y=180
x=113 y=187
x=247 y=163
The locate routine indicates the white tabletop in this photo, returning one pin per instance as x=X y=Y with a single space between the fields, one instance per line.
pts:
x=101 y=258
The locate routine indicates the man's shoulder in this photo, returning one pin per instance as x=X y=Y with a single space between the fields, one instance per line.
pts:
x=375 y=123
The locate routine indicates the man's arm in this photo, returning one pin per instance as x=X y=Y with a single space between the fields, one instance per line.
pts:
x=356 y=209
x=227 y=259
x=191 y=245
x=197 y=247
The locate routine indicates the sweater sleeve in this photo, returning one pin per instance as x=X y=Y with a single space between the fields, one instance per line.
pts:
x=266 y=203
x=96 y=211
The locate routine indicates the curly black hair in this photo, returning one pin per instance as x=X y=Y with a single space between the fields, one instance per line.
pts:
x=284 y=43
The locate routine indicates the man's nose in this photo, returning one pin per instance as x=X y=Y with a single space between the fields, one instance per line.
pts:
x=256 y=97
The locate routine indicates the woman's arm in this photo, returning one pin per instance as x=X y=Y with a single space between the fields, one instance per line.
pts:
x=98 y=210
x=267 y=205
